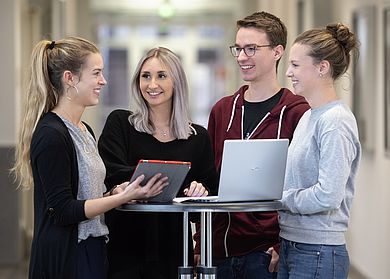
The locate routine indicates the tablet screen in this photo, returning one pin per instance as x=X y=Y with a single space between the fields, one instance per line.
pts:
x=176 y=171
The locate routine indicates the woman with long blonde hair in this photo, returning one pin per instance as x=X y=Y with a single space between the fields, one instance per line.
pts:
x=57 y=156
x=148 y=245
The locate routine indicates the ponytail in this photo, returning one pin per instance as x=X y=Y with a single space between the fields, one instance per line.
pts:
x=49 y=60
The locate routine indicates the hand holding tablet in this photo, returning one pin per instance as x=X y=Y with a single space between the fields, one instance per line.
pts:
x=176 y=171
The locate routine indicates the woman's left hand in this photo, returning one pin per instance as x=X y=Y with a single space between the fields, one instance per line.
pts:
x=196 y=190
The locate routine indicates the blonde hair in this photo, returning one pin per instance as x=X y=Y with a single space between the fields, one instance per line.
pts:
x=180 y=123
x=332 y=43
x=49 y=60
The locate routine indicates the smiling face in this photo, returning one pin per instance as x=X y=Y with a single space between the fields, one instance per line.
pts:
x=263 y=62
x=302 y=71
x=156 y=83
x=91 y=80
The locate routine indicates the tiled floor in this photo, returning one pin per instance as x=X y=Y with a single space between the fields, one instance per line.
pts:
x=20 y=272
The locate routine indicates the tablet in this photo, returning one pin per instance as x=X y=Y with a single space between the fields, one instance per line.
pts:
x=176 y=171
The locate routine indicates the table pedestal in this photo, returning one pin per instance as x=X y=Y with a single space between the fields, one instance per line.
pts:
x=185 y=271
x=206 y=270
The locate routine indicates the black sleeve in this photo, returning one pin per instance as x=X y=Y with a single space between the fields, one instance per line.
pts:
x=113 y=148
x=207 y=173
x=51 y=159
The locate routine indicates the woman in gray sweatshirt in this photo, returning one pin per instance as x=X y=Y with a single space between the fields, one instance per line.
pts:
x=323 y=160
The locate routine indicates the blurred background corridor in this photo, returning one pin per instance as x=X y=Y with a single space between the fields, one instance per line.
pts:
x=200 y=31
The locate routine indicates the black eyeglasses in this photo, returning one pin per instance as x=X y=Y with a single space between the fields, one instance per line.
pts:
x=249 y=50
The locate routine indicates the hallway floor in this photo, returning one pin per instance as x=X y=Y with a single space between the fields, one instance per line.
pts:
x=20 y=272
x=13 y=272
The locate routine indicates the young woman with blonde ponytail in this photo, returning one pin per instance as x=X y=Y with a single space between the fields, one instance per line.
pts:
x=57 y=156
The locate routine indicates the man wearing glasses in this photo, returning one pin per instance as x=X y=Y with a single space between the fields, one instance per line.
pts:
x=246 y=245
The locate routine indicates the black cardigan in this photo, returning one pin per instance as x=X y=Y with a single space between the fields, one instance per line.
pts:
x=57 y=211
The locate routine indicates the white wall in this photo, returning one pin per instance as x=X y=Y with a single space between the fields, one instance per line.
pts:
x=10 y=21
x=368 y=239
x=10 y=70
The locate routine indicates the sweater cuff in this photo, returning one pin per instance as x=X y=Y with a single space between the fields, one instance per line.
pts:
x=277 y=247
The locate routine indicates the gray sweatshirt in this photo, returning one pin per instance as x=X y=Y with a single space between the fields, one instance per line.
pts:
x=322 y=163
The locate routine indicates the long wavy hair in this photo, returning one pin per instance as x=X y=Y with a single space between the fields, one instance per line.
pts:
x=180 y=123
x=49 y=60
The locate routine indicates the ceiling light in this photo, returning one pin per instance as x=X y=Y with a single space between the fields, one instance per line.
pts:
x=166 y=10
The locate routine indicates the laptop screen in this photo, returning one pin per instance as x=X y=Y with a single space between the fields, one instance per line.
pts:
x=253 y=169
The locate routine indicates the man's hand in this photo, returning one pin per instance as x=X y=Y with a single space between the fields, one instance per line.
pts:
x=274 y=264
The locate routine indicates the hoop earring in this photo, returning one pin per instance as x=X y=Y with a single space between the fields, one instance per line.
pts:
x=67 y=92
x=75 y=87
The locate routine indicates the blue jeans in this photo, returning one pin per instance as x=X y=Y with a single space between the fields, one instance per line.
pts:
x=251 y=266
x=312 y=261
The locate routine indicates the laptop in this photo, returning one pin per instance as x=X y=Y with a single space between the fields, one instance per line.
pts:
x=251 y=170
